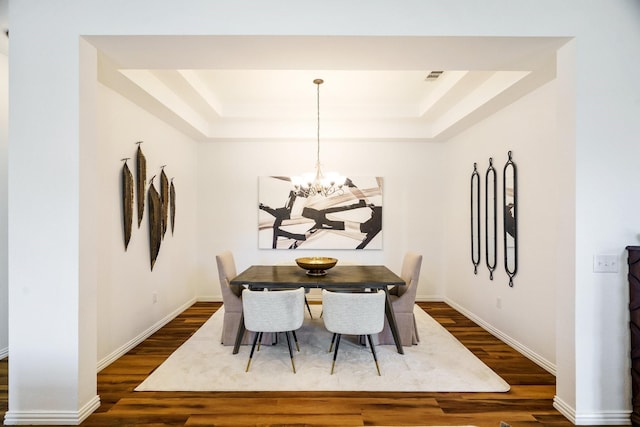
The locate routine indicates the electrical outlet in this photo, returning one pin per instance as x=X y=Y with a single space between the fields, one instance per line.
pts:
x=605 y=263
x=498 y=302
x=154 y=297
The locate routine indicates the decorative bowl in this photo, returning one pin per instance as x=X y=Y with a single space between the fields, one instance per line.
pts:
x=316 y=265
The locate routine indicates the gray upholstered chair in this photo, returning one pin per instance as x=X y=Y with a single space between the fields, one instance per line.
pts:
x=273 y=311
x=230 y=297
x=353 y=313
x=403 y=299
x=232 y=301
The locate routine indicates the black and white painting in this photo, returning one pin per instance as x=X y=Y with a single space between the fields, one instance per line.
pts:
x=350 y=218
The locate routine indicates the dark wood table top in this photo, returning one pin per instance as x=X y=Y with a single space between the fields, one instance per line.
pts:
x=340 y=276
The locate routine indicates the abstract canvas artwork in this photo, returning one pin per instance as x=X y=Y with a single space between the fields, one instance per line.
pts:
x=348 y=219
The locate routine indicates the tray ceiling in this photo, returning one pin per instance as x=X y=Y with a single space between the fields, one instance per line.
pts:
x=261 y=87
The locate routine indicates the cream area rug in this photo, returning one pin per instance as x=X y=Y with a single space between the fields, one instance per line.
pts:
x=439 y=363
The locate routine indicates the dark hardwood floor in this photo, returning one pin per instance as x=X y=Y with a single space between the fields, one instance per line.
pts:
x=528 y=403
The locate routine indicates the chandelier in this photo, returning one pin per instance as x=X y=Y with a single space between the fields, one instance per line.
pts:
x=317 y=183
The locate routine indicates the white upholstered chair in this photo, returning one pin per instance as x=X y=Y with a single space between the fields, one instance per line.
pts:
x=353 y=313
x=403 y=299
x=273 y=311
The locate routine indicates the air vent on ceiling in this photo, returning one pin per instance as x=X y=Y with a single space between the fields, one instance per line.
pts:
x=433 y=75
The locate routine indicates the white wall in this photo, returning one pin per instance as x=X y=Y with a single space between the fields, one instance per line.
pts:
x=412 y=213
x=4 y=132
x=527 y=313
x=126 y=284
x=607 y=217
x=45 y=115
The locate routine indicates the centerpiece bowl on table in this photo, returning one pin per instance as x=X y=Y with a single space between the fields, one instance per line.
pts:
x=316 y=266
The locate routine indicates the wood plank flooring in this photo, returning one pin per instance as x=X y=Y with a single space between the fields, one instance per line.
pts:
x=527 y=404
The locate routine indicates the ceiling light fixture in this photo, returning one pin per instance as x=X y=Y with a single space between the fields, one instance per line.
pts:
x=312 y=184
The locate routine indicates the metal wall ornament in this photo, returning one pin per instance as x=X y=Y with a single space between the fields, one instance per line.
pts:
x=141 y=181
x=490 y=219
x=475 y=218
x=127 y=202
x=164 y=200
x=510 y=218
x=155 y=222
x=172 y=206
x=161 y=205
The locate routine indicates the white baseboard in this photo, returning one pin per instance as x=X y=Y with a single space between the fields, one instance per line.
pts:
x=622 y=417
x=604 y=418
x=429 y=298
x=524 y=350
x=76 y=417
x=565 y=409
x=143 y=336
x=4 y=353
x=209 y=298
x=56 y=418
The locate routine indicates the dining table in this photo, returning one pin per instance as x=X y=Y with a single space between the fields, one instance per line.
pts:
x=354 y=278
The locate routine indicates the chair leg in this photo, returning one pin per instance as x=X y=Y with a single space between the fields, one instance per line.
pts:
x=253 y=347
x=295 y=338
x=308 y=308
x=333 y=340
x=362 y=340
x=373 y=351
x=293 y=365
x=335 y=354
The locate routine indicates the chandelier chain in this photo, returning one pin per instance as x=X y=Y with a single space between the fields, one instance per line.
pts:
x=318 y=82
x=309 y=185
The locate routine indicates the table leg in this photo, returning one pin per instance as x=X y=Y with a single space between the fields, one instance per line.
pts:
x=391 y=318
x=239 y=335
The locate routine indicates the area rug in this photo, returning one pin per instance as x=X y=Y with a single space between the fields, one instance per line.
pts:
x=439 y=363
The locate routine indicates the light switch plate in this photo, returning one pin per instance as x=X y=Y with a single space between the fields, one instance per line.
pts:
x=605 y=263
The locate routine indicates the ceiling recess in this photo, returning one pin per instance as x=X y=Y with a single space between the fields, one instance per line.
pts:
x=212 y=88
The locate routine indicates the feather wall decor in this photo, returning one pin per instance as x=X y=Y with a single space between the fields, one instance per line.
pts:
x=172 y=206
x=127 y=202
x=161 y=205
x=164 y=200
x=141 y=181
x=155 y=222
